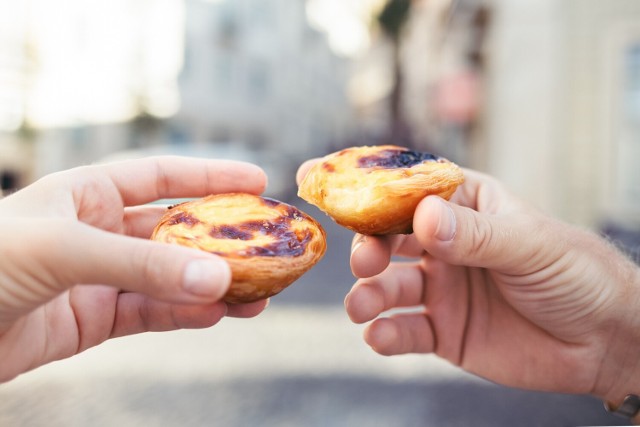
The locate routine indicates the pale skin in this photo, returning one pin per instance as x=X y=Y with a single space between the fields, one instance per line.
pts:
x=77 y=267
x=503 y=291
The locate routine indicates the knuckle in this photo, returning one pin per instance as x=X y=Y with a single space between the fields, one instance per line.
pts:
x=144 y=314
x=482 y=237
x=149 y=268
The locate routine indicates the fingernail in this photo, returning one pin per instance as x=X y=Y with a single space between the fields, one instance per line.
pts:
x=357 y=242
x=207 y=277
x=446 y=229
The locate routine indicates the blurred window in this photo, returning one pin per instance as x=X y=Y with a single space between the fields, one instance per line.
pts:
x=262 y=14
x=13 y=64
x=632 y=85
x=8 y=180
x=187 y=63
x=224 y=73
x=257 y=140
x=179 y=135
x=11 y=88
x=629 y=135
x=227 y=26
x=259 y=81
x=220 y=134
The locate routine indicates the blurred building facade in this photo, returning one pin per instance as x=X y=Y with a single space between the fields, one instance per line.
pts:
x=562 y=106
x=541 y=94
x=252 y=74
x=442 y=45
x=445 y=65
x=76 y=78
x=258 y=74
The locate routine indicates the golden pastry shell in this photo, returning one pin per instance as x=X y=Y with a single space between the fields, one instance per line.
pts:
x=375 y=190
x=267 y=243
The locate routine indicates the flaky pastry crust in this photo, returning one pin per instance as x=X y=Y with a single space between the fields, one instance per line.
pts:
x=375 y=190
x=267 y=243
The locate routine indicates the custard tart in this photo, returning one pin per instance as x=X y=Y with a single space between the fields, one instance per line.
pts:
x=267 y=243
x=375 y=190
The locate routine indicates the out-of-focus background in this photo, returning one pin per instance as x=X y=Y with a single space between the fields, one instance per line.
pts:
x=543 y=94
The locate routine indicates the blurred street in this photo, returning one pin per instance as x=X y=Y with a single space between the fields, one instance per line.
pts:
x=301 y=363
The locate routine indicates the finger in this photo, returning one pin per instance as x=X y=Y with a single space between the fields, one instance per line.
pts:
x=400 y=285
x=484 y=193
x=102 y=313
x=467 y=193
x=370 y=255
x=406 y=246
x=247 y=310
x=170 y=273
x=448 y=299
x=70 y=253
x=462 y=236
x=138 y=313
x=304 y=169
x=139 y=221
x=401 y=334
x=146 y=180
x=94 y=308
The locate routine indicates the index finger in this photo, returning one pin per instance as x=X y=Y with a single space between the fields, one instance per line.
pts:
x=145 y=180
x=370 y=255
x=483 y=193
x=304 y=169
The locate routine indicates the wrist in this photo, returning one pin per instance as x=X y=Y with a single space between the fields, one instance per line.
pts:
x=629 y=408
x=620 y=392
x=618 y=381
x=622 y=396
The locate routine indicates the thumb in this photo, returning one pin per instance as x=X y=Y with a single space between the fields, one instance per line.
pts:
x=45 y=257
x=463 y=236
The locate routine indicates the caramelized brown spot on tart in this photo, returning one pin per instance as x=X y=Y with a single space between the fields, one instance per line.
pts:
x=396 y=158
x=183 y=218
x=328 y=167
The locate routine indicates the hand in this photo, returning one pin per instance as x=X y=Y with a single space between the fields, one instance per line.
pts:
x=503 y=291
x=77 y=269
